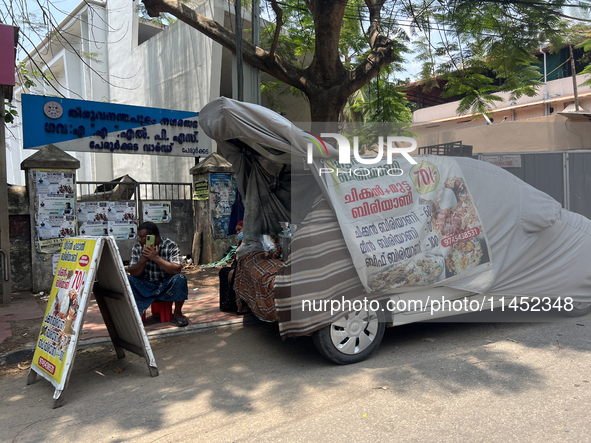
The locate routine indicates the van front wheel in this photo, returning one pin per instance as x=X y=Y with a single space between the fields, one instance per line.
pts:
x=579 y=309
x=352 y=338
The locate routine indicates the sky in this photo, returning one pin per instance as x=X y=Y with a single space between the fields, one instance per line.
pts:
x=60 y=8
x=57 y=8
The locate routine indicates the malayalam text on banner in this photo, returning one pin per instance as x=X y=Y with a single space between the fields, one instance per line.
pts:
x=411 y=228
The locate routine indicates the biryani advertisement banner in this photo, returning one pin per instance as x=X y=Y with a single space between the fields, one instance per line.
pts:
x=63 y=318
x=407 y=227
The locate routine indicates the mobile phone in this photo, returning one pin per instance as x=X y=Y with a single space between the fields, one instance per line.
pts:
x=150 y=240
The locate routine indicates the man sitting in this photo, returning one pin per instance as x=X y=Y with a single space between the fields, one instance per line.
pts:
x=155 y=273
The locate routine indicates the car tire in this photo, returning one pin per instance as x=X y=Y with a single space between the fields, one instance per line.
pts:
x=579 y=309
x=351 y=339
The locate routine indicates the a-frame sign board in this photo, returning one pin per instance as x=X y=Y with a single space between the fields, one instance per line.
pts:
x=87 y=264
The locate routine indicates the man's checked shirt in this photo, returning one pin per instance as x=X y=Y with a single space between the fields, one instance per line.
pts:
x=167 y=249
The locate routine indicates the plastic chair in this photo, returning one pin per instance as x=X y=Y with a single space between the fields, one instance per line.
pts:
x=161 y=308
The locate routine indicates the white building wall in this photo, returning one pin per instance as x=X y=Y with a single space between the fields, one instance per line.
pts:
x=179 y=69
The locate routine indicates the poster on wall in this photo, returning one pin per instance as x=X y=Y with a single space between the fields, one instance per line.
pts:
x=106 y=211
x=56 y=203
x=94 y=229
x=55 y=182
x=123 y=230
x=122 y=211
x=53 y=205
x=57 y=227
x=157 y=212
x=414 y=229
x=92 y=212
x=223 y=194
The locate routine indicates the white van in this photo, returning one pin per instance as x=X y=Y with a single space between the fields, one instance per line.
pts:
x=441 y=237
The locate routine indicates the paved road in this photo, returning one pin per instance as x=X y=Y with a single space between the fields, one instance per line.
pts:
x=426 y=382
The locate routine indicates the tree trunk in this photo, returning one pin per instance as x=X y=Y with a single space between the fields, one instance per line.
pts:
x=326 y=105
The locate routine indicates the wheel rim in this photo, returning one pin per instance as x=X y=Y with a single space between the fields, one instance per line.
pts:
x=355 y=332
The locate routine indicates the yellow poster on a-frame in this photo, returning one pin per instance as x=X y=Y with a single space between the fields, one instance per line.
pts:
x=84 y=264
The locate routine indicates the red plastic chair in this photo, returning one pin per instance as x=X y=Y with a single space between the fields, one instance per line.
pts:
x=161 y=308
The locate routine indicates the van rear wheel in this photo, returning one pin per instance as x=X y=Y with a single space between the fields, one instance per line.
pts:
x=351 y=339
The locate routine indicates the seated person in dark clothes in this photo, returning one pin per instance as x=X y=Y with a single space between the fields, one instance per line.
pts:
x=155 y=273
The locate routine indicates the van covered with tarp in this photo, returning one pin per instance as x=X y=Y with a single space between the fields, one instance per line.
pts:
x=401 y=236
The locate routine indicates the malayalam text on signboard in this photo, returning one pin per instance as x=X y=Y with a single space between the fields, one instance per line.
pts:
x=86 y=126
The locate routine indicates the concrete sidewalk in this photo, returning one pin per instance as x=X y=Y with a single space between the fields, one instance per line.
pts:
x=202 y=310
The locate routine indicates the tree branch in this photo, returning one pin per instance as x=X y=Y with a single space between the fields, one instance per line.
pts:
x=279 y=14
x=375 y=20
x=382 y=54
x=254 y=55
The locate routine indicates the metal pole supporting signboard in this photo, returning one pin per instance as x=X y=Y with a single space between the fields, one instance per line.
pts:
x=4 y=219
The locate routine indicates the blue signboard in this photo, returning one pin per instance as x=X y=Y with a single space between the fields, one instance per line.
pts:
x=86 y=126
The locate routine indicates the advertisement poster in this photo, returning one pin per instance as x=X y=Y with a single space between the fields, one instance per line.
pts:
x=63 y=318
x=94 y=229
x=123 y=230
x=121 y=211
x=157 y=212
x=53 y=205
x=57 y=227
x=55 y=182
x=223 y=195
x=106 y=211
x=201 y=191
x=92 y=212
x=408 y=228
x=56 y=203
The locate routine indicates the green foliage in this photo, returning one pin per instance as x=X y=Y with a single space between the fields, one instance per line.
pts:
x=162 y=20
x=27 y=80
x=297 y=42
x=381 y=100
x=10 y=113
x=480 y=47
x=484 y=47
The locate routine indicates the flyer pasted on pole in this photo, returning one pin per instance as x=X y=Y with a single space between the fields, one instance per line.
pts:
x=408 y=228
x=55 y=204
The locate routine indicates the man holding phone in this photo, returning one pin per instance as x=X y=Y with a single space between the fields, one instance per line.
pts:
x=155 y=272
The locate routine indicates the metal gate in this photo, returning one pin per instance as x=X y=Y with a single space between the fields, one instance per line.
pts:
x=181 y=226
x=560 y=174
